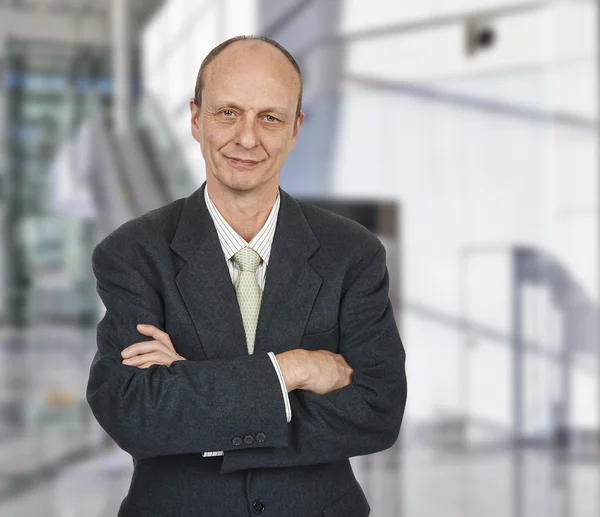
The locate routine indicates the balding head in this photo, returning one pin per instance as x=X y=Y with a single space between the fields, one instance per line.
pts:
x=246 y=114
x=239 y=47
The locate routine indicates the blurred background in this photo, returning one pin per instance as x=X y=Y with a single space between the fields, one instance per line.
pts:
x=463 y=132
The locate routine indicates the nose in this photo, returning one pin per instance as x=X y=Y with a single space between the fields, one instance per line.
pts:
x=247 y=135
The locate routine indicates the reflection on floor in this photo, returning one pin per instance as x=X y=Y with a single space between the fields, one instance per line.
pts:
x=53 y=463
x=424 y=484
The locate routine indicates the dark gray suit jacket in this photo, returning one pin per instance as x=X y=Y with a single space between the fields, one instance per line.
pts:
x=326 y=288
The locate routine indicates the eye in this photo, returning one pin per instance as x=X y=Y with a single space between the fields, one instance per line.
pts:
x=227 y=113
x=271 y=118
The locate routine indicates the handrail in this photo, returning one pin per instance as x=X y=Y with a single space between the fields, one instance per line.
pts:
x=154 y=131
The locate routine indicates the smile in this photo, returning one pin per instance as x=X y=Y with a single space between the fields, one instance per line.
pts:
x=242 y=163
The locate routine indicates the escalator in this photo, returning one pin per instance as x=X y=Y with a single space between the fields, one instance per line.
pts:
x=137 y=173
x=98 y=182
x=112 y=192
x=163 y=150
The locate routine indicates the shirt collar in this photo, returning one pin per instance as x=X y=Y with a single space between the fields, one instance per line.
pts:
x=232 y=242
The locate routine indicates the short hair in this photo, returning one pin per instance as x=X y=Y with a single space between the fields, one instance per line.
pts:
x=222 y=46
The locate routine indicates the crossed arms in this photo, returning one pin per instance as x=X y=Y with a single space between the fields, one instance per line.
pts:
x=194 y=406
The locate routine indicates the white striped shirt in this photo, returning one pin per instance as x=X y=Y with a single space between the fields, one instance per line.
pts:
x=231 y=243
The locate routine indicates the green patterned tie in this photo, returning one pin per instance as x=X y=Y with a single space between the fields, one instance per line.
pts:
x=249 y=293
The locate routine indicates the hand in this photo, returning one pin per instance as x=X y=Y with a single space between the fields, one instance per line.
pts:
x=318 y=371
x=147 y=353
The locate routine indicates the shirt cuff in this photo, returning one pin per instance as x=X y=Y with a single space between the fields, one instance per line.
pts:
x=286 y=398
x=210 y=454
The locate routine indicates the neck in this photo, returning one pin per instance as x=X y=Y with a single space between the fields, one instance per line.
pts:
x=245 y=211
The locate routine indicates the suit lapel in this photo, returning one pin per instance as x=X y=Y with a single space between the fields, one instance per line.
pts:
x=291 y=284
x=204 y=282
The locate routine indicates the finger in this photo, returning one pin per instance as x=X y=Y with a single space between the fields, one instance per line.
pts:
x=156 y=333
x=166 y=362
x=155 y=357
x=148 y=364
x=146 y=347
x=138 y=360
x=141 y=347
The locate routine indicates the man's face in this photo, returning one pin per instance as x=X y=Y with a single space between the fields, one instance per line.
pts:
x=246 y=123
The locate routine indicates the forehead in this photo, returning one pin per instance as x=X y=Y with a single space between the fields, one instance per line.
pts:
x=253 y=74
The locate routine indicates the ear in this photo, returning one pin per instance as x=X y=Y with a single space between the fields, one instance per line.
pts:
x=194 y=114
x=297 y=129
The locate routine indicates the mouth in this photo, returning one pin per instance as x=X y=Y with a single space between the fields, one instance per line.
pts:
x=242 y=163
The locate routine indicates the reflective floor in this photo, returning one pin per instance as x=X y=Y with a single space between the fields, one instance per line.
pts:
x=54 y=461
x=425 y=484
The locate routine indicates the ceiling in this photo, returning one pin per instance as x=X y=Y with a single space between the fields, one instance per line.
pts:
x=141 y=9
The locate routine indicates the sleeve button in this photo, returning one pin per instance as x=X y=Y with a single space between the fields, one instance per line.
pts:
x=248 y=439
x=237 y=441
x=261 y=437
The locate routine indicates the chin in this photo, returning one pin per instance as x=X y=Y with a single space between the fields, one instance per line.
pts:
x=241 y=182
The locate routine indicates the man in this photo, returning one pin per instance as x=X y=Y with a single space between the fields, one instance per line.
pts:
x=268 y=354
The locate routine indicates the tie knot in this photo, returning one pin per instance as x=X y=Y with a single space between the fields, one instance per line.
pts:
x=247 y=259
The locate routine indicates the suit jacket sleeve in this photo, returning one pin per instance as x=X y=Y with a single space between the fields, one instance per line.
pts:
x=189 y=407
x=286 y=401
x=363 y=417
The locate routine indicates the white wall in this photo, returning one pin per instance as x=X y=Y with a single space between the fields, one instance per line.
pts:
x=574 y=159
x=3 y=176
x=496 y=149
x=468 y=147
